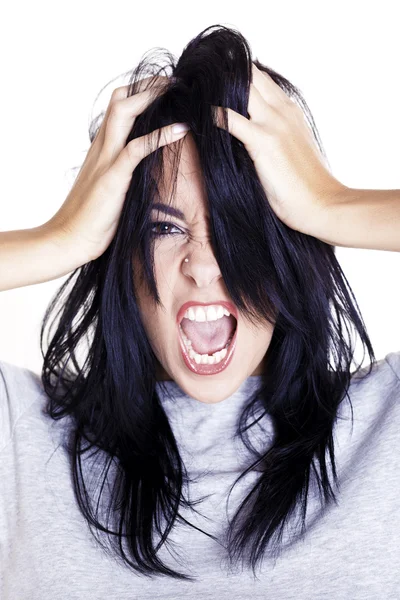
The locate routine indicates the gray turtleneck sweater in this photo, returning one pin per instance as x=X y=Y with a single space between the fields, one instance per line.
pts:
x=351 y=552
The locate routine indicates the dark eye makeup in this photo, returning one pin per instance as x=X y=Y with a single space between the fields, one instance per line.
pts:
x=161 y=233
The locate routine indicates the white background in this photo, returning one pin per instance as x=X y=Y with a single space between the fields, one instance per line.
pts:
x=56 y=57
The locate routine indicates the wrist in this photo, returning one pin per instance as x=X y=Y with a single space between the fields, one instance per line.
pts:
x=326 y=226
x=73 y=253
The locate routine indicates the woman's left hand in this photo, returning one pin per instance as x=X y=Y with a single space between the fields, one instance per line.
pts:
x=297 y=183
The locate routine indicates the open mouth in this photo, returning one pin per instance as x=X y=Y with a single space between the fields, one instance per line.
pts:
x=208 y=363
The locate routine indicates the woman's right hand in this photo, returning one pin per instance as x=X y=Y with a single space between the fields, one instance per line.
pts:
x=88 y=219
x=84 y=226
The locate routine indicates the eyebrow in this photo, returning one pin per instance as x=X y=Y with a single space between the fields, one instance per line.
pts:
x=168 y=210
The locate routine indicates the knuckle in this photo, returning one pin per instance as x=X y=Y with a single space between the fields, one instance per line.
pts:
x=259 y=142
x=163 y=136
x=293 y=107
x=134 y=151
x=116 y=109
x=280 y=125
x=106 y=185
x=118 y=94
x=156 y=137
x=283 y=123
x=291 y=111
x=159 y=79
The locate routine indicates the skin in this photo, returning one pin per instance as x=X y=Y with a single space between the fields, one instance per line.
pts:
x=299 y=187
x=199 y=279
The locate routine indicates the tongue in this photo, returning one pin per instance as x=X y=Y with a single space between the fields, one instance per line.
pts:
x=208 y=337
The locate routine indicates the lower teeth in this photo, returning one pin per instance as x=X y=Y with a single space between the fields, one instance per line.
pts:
x=206 y=359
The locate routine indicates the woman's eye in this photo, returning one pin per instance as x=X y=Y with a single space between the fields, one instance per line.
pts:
x=162 y=227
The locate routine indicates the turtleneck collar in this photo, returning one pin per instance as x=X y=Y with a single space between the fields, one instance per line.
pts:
x=173 y=398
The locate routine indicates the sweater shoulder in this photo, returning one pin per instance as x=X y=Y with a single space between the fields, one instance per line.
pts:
x=20 y=387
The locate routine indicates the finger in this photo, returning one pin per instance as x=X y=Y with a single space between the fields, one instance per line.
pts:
x=270 y=91
x=137 y=149
x=259 y=109
x=121 y=119
x=238 y=125
x=120 y=94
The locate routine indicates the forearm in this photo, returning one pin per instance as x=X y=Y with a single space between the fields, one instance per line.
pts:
x=358 y=218
x=31 y=256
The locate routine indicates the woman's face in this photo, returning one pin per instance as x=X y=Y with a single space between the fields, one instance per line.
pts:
x=199 y=280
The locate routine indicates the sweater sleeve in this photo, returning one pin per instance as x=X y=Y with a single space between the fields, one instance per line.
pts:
x=19 y=388
x=393 y=359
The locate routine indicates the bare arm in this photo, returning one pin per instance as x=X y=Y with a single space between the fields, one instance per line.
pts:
x=361 y=218
x=301 y=190
x=85 y=224
x=30 y=256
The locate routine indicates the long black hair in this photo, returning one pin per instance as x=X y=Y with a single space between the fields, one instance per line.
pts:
x=272 y=273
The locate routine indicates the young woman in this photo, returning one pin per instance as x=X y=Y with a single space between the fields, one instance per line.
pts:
x=206 y=413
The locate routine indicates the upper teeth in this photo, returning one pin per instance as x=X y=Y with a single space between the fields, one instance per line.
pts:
x=206 y=313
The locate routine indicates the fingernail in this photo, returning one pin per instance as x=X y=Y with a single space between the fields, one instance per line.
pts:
x=180 y=127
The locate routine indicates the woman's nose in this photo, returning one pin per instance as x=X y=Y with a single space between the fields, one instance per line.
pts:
x=202 y=267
